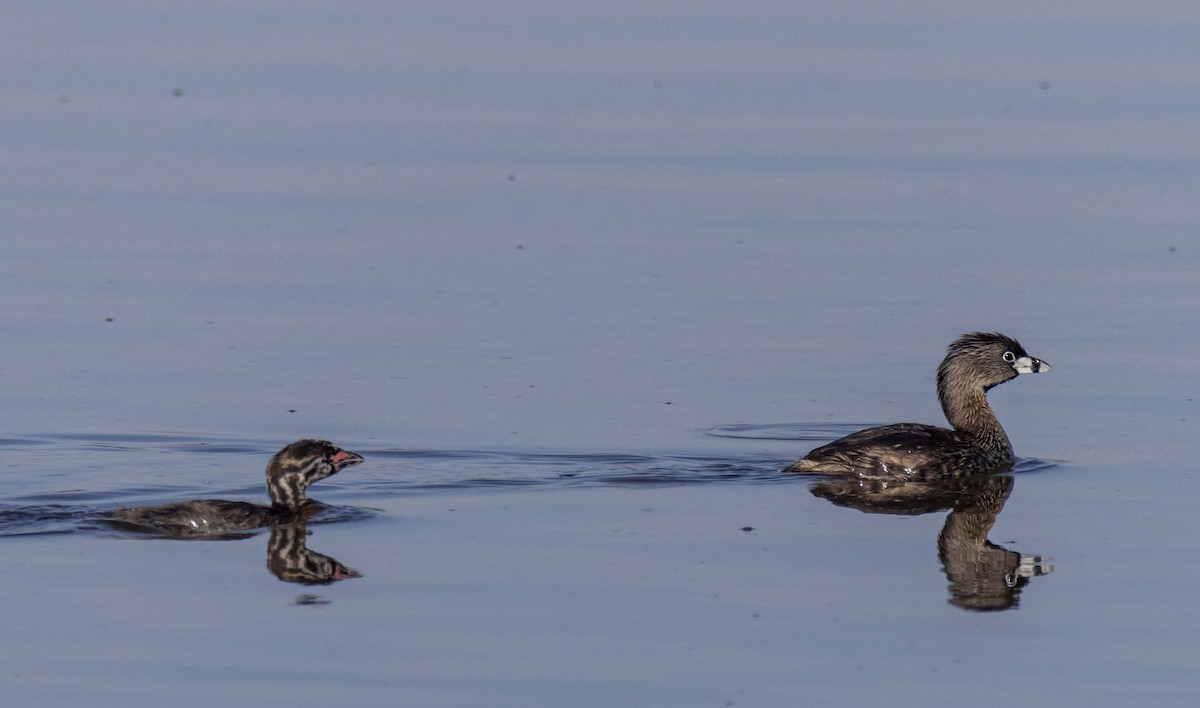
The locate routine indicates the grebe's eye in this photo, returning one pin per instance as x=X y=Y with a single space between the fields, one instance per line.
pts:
x=1010 y=357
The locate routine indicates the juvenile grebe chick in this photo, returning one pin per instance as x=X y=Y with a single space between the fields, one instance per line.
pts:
x=974 y=364
x=289 y=473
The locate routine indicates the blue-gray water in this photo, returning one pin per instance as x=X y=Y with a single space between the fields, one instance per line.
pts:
x=577 y=280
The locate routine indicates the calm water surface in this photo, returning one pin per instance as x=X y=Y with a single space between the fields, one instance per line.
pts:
x=577 y=282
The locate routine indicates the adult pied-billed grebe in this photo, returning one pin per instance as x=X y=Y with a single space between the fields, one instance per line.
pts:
x=974 y=363
x=289 y=473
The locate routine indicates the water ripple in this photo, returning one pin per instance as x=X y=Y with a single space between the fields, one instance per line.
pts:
x=440 y=470
x=76 y=488
x=47 y=519
x=787 y=431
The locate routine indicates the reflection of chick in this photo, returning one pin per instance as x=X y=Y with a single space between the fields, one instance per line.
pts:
x=289 y=559
x=983 y=576
x=289 y=473
x=974 y=364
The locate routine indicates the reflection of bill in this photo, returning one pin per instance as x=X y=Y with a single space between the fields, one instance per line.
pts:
x=289 y=559
x=982 y=575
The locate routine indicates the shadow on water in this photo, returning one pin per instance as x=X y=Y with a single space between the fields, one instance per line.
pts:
x=983 y=576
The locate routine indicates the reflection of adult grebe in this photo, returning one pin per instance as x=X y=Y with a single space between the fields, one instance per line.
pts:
x=974 y=364
x=289 y=559
x=982 y=575
x=289 y=473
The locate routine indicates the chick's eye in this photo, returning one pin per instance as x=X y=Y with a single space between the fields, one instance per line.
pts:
x=1010 y=357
